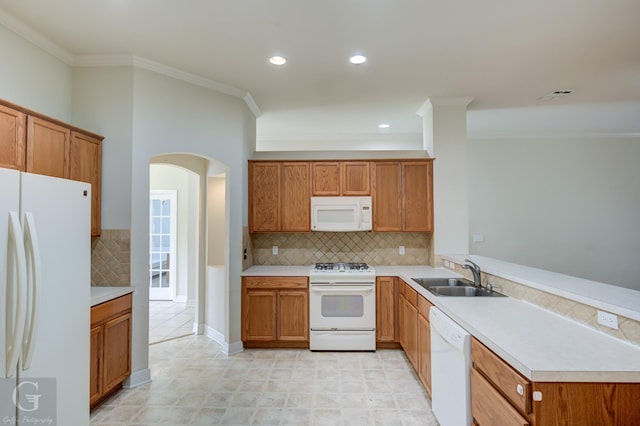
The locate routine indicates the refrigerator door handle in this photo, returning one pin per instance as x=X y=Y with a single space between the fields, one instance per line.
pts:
x=34 y=285
x=16 y=289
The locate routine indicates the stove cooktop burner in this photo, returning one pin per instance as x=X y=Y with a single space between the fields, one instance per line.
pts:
x=341 y=267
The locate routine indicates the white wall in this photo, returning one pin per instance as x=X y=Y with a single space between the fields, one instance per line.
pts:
x=103 y=103
x=566 y=205
x=174 y=116
x=450 y=187
x=34 y=79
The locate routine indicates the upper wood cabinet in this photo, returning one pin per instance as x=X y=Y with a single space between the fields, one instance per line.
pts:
x=336 y=178
x=85 y=165
x=33 y=143
x=325 y=178
x=417 y=185
x=12 y=138
x=387 y=196
x=47 y=148
x=403 y=196
x=279 y=198
x=264 y=197
x=295 y=205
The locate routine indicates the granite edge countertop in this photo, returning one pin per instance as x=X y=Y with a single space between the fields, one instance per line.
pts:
x=104 y=294
x=517 y=331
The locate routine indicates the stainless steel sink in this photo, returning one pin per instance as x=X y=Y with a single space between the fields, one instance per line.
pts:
x=463 y=291
x=442 y=282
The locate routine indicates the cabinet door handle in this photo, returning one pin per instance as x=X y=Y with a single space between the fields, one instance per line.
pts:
x=520 y=389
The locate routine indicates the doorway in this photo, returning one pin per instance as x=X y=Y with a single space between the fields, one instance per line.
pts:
x=162 y=244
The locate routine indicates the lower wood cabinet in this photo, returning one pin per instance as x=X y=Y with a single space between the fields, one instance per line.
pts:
x=409 y=323
x=502 y=396
x=110 y=358
x=275 y=311
x=424 y=343
x=387 y=312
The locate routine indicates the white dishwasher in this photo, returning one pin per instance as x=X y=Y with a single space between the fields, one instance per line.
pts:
x=450 y=369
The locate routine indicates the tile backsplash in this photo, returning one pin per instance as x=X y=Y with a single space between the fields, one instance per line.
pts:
x=374 y=248
x=111 y=258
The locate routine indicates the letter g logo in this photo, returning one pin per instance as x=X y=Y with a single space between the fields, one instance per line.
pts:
x=32 y=398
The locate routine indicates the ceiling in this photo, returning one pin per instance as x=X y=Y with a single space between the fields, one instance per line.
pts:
x=504 y=54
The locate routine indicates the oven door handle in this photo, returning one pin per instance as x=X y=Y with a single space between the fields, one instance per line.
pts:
x=332 y=283
x=342 y=289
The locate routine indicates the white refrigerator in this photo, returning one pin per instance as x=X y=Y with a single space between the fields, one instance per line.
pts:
x=45 y=273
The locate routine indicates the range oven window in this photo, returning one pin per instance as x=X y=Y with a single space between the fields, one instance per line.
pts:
x=348 y=305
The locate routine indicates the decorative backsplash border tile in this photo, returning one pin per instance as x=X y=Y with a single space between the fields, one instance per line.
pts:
x=111 y=258
x=628 y=329
x=374 y=248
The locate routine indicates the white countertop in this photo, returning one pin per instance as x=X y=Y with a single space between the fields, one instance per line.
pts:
x=610 y=298
x=277 y=271
x=104 y=294
x=541 y=345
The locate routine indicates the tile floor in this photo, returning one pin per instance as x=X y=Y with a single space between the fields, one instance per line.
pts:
x=195 y=383
x=168 y=320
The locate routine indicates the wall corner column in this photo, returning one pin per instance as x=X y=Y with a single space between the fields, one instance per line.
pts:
x=445 y=139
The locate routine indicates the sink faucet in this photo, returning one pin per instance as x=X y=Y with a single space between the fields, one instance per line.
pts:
x=475 y=270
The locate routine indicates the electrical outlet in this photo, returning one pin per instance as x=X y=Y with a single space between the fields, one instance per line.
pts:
x=452 y=265
x=401 y=250
x=446 y=263
x=274 y=250
x=608 y=320
x=478 y=238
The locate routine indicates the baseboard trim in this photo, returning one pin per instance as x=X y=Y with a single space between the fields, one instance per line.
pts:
x=137 y=378
x=227 y=349
x=198 y=328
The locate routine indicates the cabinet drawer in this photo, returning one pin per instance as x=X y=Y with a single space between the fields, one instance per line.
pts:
x=507 y=380
x=110 y=309
x=489 y=407
x=275 y=282
x=411 y=295
x=424 y=306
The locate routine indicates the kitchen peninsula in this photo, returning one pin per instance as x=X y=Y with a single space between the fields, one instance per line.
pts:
x=550 y=352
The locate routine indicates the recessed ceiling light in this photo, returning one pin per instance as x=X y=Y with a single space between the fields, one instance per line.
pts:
x=278 y=60
x=358 y=59
x=383 y=125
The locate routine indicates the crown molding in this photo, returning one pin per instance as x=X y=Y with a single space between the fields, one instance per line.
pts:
x=178 y=74
x=21 y=29
x=494 y=136
x=253 y=106
x=33 y=36
x=346 y=137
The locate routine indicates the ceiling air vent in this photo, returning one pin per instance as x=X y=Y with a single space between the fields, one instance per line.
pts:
x=556 y=94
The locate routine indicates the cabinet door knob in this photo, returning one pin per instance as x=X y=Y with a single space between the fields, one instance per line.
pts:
x=520 y=389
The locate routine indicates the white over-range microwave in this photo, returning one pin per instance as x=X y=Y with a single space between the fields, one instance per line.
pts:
x=341 y=214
